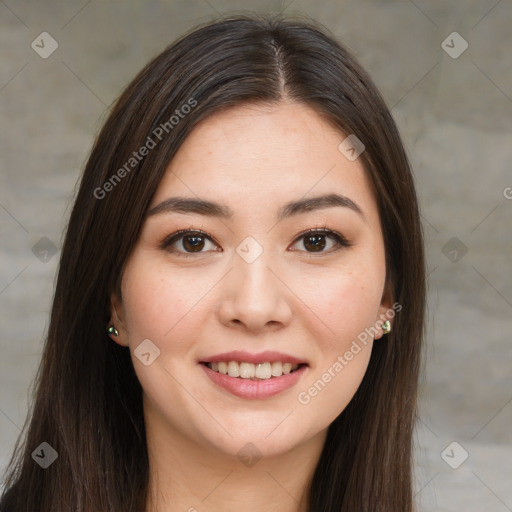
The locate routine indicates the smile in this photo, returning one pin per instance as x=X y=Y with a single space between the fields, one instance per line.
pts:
x=254 y=387
x=260 y=371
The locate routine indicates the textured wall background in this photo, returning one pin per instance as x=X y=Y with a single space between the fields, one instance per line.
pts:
x=454 y=107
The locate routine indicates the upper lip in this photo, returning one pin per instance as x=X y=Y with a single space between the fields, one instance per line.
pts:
x=269 y=356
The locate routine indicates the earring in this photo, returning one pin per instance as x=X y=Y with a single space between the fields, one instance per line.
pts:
x=386 y=327
x=113 y=330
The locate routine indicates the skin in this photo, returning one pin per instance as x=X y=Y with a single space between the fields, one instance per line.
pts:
x=309 y=304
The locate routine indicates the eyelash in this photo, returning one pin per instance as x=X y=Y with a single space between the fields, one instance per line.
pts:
x=339 y=239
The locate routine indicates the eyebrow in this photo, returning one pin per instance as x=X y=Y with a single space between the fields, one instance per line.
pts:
x=212 y=209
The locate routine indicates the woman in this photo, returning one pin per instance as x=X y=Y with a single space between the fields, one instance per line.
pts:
x=239 y=308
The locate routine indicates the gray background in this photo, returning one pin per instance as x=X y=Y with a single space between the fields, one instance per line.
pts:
x=455 y=115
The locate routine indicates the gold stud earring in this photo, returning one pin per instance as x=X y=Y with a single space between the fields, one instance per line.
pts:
x=113 y=330
x=386 y=327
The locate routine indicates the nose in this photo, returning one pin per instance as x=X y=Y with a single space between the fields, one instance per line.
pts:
x=254 y=297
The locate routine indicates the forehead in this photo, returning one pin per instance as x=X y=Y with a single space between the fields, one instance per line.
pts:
x=255 y=155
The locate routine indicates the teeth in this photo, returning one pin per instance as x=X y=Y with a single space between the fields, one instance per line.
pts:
x=277 y=369
x=233 y=369
x=261 y=371
x=247 y=370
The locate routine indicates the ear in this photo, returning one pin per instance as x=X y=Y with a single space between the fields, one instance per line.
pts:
x=386 y=311
x=117 y=320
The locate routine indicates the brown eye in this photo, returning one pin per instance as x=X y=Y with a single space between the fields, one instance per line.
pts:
x=317 y=240
x=193 y=243
x=188 y=242
x=314 y=243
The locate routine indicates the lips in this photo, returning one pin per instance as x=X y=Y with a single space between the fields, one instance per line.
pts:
x=255 y=389
x=261 y=387
x=259 y=358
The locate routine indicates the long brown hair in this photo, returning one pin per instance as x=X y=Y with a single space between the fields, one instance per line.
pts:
x=87 y=401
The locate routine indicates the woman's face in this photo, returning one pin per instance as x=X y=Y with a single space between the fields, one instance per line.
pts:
x=250 y=280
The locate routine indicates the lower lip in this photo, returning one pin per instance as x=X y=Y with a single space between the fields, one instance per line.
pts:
x=255 y=389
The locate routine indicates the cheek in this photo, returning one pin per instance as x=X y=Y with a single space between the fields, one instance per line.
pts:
x=155 y=305
x=345 y=303
x=345 y=306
